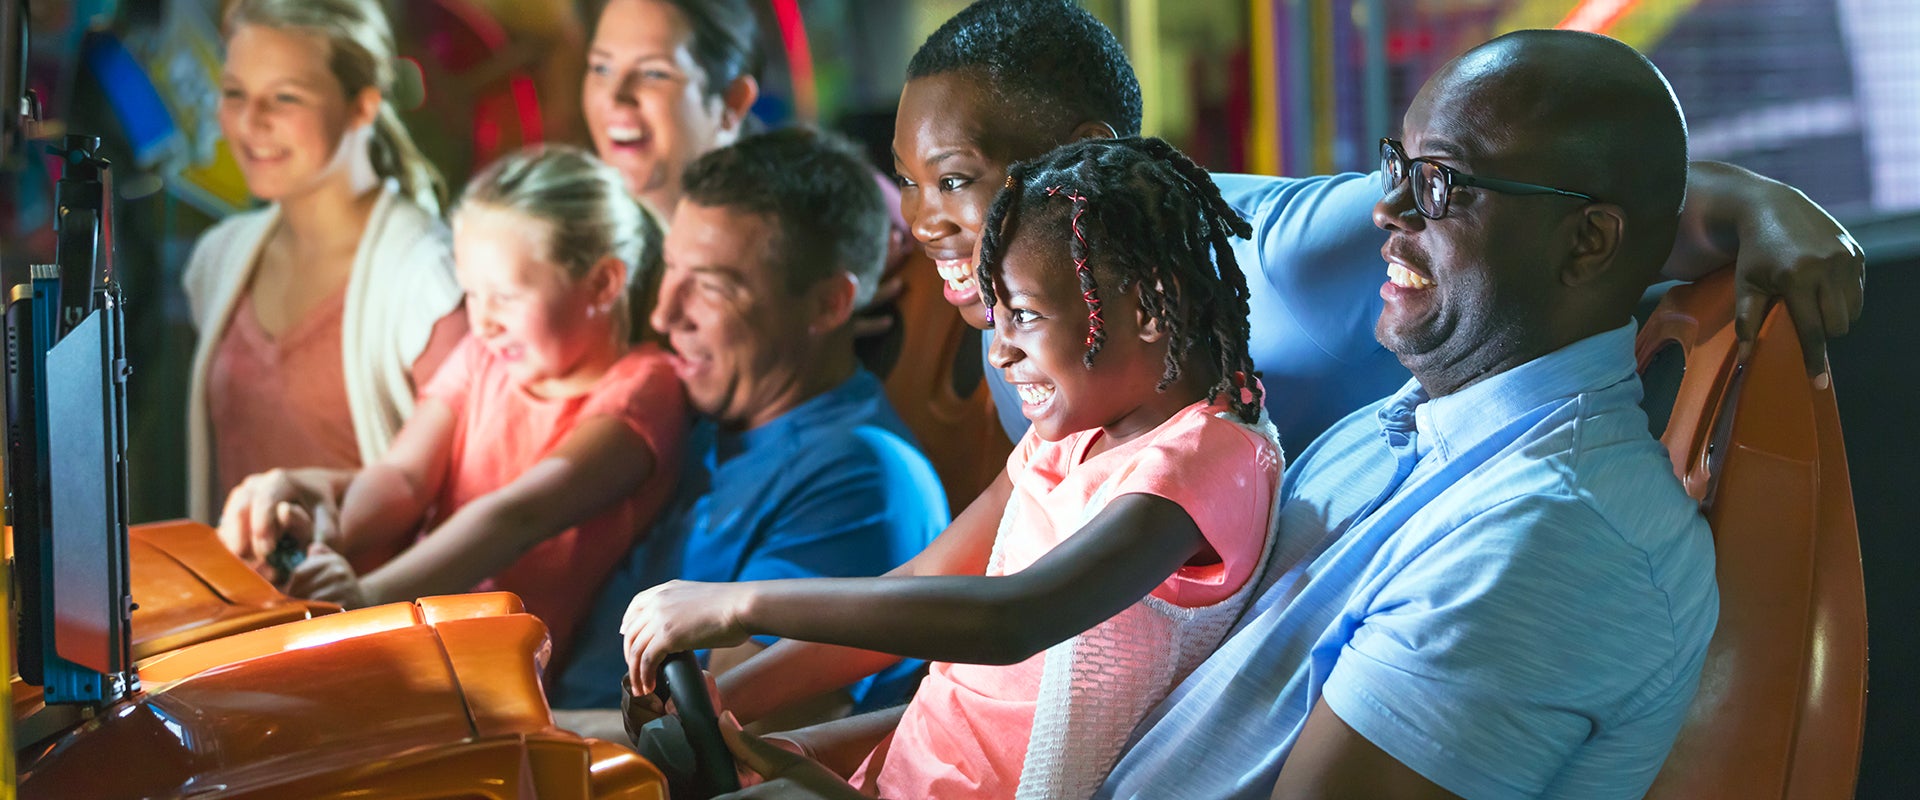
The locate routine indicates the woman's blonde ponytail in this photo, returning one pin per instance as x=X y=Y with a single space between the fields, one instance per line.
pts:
x=396 y=157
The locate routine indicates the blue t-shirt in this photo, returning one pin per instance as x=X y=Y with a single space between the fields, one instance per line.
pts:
x=834 y=488
x=1506 y=589
x=1313 y=278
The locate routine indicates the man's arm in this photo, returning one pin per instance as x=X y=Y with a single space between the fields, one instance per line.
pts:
x=1333 y=760
x=830 y=704
x=785 y=774
x=1312 y=236
x=841 y=745
x=773 y=684
x=1781 y=245
x=1532 y=639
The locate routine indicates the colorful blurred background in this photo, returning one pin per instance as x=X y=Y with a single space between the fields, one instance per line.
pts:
x=1823 y=94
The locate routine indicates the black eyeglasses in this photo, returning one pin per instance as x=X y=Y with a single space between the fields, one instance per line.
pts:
x=1433 y=181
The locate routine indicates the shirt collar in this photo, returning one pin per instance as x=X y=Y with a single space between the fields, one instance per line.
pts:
x=829 y=403
x=1460 y=420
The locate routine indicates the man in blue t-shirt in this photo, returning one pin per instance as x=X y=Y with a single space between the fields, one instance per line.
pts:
x=798 y=466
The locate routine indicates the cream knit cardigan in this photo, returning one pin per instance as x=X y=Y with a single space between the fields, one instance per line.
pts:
x=401 y=284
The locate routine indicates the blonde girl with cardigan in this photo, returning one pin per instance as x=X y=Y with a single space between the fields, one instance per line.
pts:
x=321 y=314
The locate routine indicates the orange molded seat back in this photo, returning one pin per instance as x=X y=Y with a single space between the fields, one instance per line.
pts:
x=1783 y=694
x=488 y=768
x=960 y=435
x=489 y=654
x=440 y=608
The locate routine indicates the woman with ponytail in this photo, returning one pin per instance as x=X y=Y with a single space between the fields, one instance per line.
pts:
x=322 y=314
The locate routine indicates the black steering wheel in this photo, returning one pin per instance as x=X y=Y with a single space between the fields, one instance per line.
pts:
x=712 y=763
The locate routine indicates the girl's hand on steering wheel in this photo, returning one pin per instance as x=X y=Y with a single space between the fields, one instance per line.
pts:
x=676 y=616
x=325 y=575
x=636 y=710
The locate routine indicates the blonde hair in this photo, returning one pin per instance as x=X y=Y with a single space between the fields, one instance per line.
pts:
x=587 y=210
x=363 y=54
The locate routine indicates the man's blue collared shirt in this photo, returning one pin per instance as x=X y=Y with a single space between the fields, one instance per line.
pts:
x=1505 y=589
x=833 y=488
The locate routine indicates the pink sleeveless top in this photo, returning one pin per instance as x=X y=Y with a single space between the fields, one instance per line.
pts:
x=280 y=402
x=283 y=402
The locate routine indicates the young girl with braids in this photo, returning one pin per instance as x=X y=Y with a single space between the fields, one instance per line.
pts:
x=546 y=442
x=321 y=315
x=1121 y=540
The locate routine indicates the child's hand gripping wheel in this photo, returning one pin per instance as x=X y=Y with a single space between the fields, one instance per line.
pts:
x=686 y=687
x=288 y=554
x=712 y=772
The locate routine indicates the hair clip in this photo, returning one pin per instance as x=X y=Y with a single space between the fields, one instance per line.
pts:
x=1096 y=325
x=1010 y=182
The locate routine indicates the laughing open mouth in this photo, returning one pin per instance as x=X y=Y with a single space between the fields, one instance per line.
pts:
x=957 y=272
x=1034 y=394
x=1407 y=279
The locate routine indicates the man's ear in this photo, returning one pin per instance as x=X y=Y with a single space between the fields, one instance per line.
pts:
x=1092 y=129
x=734 y=105
x=1598 y=232
x=833 y=302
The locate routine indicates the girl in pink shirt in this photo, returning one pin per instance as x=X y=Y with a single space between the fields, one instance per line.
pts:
x=1119 y=544
x=541 y=447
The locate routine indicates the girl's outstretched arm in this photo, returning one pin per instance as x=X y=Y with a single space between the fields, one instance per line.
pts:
x=602 y=461
x=1130 y=547
x=376 y=507
x=386 y=501
x=793 y=670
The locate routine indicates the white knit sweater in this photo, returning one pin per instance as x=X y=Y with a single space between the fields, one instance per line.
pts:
x=401 y=284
